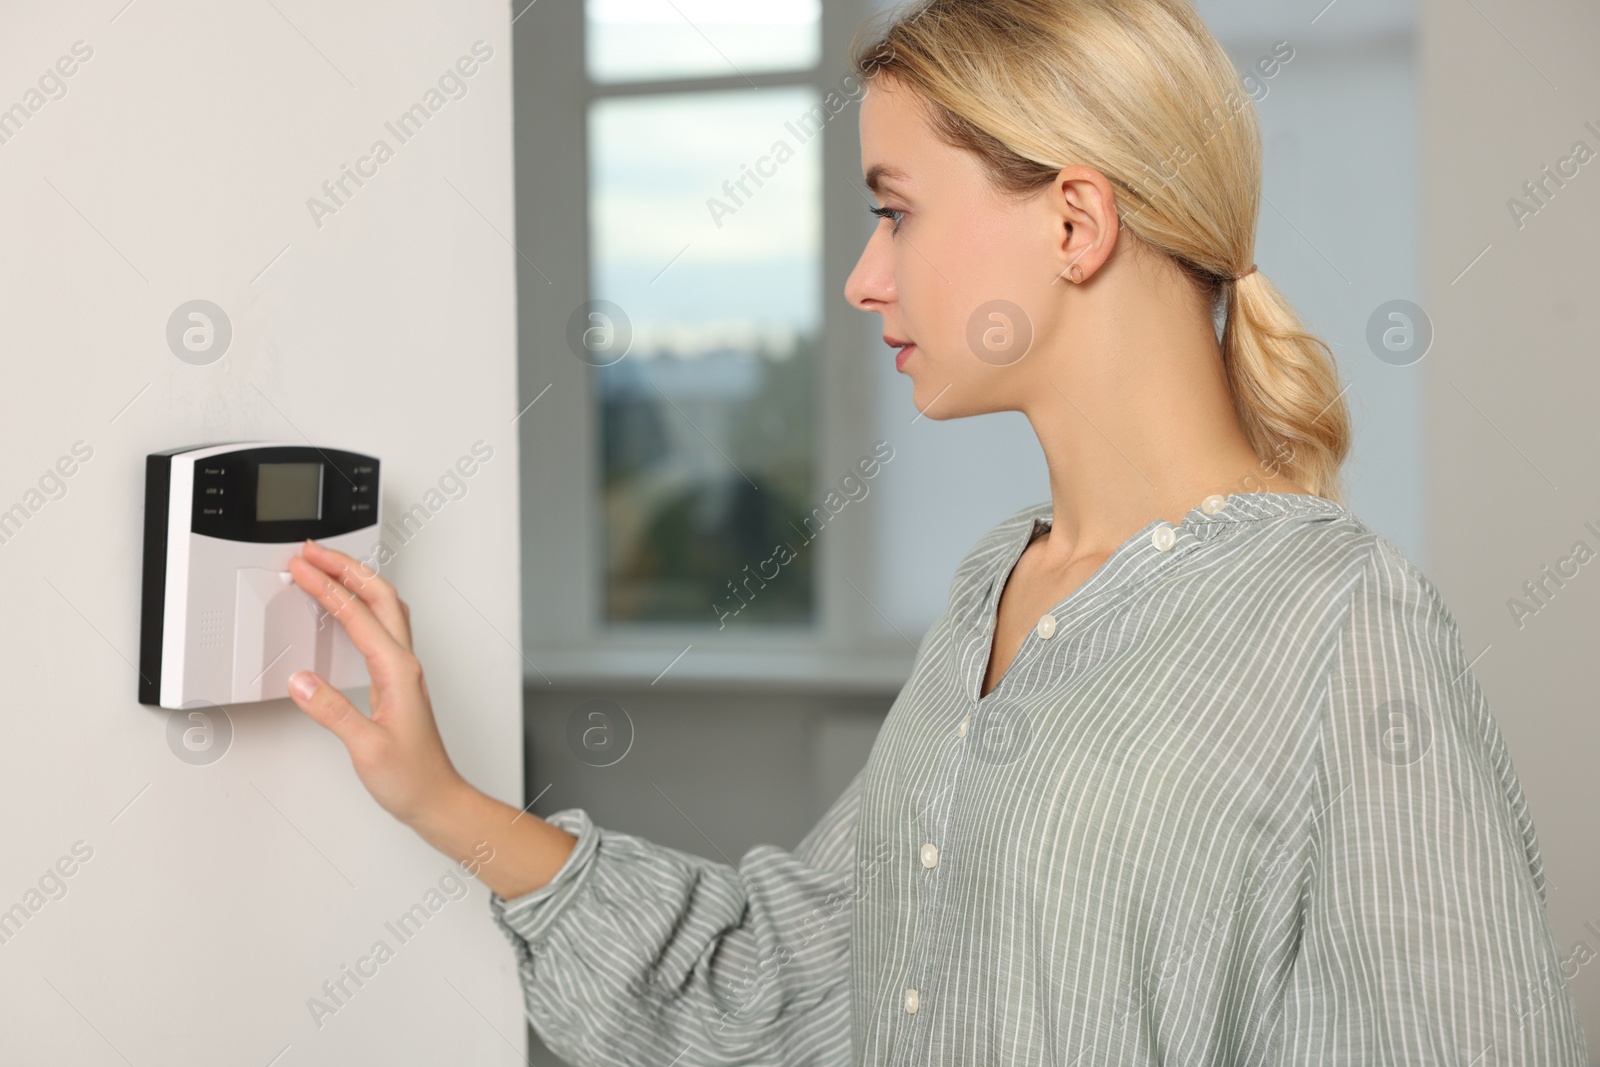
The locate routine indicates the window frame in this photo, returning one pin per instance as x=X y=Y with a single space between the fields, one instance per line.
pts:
x=851 y=646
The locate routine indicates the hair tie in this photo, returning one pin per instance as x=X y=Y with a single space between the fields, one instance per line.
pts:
x=1252 y=270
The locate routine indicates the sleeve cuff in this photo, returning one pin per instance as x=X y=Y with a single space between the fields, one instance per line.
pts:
x=532 y=914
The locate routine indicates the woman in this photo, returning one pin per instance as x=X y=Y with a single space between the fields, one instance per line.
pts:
x=1192 y=770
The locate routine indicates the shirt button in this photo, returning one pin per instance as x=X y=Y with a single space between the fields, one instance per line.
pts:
x=1213 y=503
x=930 y=854
x=1047 y=627
x=1163 y=536
x=911 y=1001
x=961 y=731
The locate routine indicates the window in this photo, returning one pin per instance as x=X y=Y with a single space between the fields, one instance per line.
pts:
x=706 y=419
x=689 y=206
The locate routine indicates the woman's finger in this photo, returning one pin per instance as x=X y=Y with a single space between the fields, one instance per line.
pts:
x=362 y=580
x=371 y=638
x=329 y=707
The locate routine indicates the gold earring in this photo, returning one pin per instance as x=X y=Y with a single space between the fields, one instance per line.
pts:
x=1076 y=273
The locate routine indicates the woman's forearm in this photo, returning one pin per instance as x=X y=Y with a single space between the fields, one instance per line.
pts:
x=524 y=852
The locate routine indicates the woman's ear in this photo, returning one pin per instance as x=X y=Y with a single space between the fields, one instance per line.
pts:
x=1085 y=207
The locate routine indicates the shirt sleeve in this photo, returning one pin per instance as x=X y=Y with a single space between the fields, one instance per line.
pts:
x=635 y=953
x=1424 y=939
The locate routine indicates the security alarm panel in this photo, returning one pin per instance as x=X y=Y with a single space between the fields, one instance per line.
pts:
x=222 y=619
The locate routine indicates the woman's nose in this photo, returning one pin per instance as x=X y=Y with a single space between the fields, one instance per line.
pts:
x=871 y=283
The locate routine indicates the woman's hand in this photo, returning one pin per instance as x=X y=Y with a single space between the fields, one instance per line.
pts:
x=397 y=753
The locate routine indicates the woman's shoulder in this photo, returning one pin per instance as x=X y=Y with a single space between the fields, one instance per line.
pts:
x=1324 y=568
x=1317 y=542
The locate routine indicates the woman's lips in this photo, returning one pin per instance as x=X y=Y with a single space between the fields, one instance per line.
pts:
x=900 y=357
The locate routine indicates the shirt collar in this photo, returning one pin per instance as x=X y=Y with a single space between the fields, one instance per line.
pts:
x=1237 y=508
x=1138 y=558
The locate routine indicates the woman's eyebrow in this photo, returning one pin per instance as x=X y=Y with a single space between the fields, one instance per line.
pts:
x=879 y=172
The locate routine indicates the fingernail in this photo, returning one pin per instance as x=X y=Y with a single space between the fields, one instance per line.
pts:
x=302 y=684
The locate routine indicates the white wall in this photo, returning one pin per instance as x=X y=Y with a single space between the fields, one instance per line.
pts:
x=1512 y=382
x=178 y=165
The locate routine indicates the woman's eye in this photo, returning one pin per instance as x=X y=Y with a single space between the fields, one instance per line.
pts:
x=893 y=214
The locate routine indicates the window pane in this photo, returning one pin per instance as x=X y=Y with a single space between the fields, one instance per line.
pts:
x=705 y=230
x=631 y=40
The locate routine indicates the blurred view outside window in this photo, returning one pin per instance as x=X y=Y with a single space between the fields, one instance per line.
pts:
x=705 y=244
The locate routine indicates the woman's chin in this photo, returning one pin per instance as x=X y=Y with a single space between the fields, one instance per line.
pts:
x=932 y=401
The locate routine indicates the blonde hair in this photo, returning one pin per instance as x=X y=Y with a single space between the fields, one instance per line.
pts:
x=1141 y=91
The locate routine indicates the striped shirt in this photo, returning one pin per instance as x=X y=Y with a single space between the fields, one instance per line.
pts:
x=1241 y=801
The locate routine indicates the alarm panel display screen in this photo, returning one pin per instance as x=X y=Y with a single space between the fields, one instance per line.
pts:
x=288 y=491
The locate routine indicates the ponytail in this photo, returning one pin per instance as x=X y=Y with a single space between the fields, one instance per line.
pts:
x=1285 y=387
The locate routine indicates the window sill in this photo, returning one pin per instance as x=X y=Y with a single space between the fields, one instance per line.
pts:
x=700 y=668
